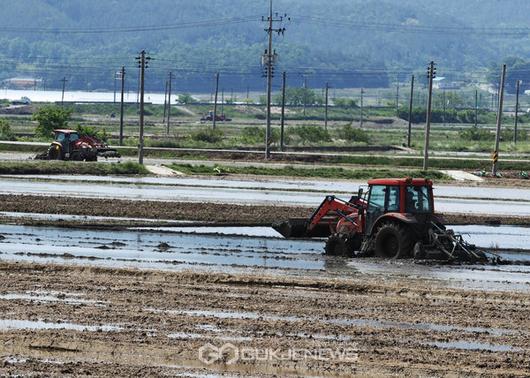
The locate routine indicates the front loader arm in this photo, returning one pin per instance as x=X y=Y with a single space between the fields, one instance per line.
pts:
x=331 y=204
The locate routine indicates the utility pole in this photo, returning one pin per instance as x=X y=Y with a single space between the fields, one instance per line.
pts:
x=165 y=104
x=282 y=130
x=122 y=75
x=327 y=104
x=305 y=96
x=431 y=73
x=115 y=77
x=269 y=59
x=169 y=81
x=138 y=91
x=143 y=62
x=444 y=105
x=362 y=109
x=411 y=104
x=476 y=108
x=63 y=80
x=397 y=98
x=495 y=156
x=214 y=118
x=222 y=102
x=517 y=89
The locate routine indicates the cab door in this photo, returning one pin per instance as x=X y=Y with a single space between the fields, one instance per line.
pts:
x=381 y=200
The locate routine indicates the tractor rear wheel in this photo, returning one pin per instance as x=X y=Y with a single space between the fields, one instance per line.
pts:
x=342 y=245
x=394 y=241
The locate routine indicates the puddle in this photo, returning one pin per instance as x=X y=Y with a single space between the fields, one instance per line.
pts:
x=140 y=249
x=39 y=325
x=505 y=237
x=253 y=248
x=198 y=336
x=384 y=324
x=471 y=345
x=264 y=232
x=49 y=297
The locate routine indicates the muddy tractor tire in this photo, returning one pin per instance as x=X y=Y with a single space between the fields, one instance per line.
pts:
x=54 y=153
x=394 y=241
x=341 y=245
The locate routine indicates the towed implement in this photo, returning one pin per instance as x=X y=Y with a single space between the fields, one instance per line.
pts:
x=70 y=145
x=395 y=219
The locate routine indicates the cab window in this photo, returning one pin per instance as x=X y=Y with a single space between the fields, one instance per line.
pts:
x=384 y=198
x=418 y=199
x=392 y=199
x=60 y=137
x=74 y=137
x=377 y=197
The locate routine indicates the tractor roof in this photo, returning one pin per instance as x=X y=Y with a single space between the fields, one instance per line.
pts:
x=65 y=131
x=401 y=181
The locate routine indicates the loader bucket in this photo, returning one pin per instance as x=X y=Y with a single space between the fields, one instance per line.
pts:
x=297 y=228
x=293 y=228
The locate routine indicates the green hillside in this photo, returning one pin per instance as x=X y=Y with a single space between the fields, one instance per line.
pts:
x=347 y=42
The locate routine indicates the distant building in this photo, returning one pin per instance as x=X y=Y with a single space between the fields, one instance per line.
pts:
x=442 y=83
x=22 y=82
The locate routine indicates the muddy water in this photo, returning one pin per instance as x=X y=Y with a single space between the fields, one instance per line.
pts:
x=505 y=237
x=253 y=248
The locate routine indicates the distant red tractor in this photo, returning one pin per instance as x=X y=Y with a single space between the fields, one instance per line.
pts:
x=70 y=145
x=395 y=219
x=218 y=118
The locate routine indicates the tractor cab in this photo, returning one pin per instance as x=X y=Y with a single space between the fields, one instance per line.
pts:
x=403 y=199
x=65 y=138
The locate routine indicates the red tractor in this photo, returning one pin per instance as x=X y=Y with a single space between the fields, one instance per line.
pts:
x=394 y=219
x=70 y=145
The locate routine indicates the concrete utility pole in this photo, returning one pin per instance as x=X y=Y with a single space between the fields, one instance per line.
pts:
x=476 y=108
x=63 y=80
x=431 y=74
x=444 y=106
x=165 y=104
x=362 y=109
x=397 y=98
x=327 y=104
x=143 y=61
x=115 y=89
x=282 y=129
x=305 y=96
x=122 y=75
x=495 y=156
x=138 y=91
x=517 y=89
x=269 y=59
x=169 y=82
x=222 y=102
x=411 y=104
x=214 y=118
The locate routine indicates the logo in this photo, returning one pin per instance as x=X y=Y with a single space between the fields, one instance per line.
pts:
x=229 y=354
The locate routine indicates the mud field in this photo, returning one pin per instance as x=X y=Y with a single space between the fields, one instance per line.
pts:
x=149 y=301
x=198 y=212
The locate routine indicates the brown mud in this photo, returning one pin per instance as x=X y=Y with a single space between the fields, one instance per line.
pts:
x=396 y=326
x=226 y=214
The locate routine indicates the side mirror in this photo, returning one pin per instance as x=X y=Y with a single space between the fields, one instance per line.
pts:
x=361 y=192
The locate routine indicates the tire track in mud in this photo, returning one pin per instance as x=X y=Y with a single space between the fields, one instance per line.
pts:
x=166 y=317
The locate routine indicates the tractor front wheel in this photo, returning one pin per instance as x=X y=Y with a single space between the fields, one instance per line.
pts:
x=342 y=245
x=394 y=241
x=54 y=153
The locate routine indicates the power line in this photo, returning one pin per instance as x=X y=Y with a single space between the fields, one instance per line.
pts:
x=133 y=29
x=417 y=28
